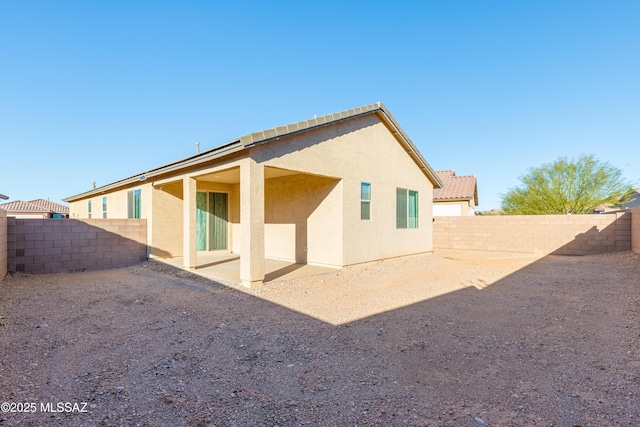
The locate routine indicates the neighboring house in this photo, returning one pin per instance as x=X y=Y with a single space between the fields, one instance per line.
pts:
x=458 y=195
x=38 y=208
x=341 y=189
x=634 y=200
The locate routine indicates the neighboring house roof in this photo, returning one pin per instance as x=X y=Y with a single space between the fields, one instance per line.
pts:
x=274 y=134
x=52 y=206
x=456 y=187
x=22 y=206
x=35 y=206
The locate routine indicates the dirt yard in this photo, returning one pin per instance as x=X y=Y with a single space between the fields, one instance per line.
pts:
x=452 y=339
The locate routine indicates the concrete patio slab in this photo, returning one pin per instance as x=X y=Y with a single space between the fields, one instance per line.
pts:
x=225 y=266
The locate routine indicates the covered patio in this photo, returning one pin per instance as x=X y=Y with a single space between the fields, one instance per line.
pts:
x=224 y=266
x=282 y=222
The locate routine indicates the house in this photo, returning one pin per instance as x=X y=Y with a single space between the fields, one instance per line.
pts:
x=458 y=195
x=336 y=190
x=38 y=208
x=634 y=200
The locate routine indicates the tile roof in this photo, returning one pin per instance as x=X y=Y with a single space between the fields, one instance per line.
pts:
x=22 y=206
x=52 y=206
x=35 y=206
x=273 y=134
x=456 y=187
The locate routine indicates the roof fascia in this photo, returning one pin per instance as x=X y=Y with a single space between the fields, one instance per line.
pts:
x=195 y=160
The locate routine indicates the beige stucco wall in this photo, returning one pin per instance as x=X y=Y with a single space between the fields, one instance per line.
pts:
x=3 y=244
x=166 y=227
x=316 y=206
x=453 y=208
x=538 y=234
x=29 y=216
x=361 y=150
x=116 y=204
x=303 y=217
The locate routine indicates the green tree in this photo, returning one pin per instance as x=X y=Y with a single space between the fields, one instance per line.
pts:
x=575 y=186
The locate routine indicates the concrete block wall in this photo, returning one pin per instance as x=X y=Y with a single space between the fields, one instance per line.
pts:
x=635 y=230
x=63 y=245
x=538 y=234
x=3 y=244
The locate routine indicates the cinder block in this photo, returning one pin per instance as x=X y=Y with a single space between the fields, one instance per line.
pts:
x=61 y=243
x=104 y=262
x=89 y=235
x=71 y=250
x=95 y=255
x=53 y=251
x=43 y=244
x=23 y=229
x=34 y=268
x=34 y=251
x=54 y=266
x=34 y=236
x=71 y=265
x=79 y=243
x=53 y=236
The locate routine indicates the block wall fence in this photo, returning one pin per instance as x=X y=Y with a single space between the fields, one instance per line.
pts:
x=538 y=234
x=3 y=244
x=65 y=245
x=635 y=230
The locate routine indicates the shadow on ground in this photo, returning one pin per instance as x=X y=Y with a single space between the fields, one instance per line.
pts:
x=553 y=343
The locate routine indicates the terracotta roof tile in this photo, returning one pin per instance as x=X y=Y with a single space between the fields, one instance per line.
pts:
x=456 y=187
x=22 y=206
x=35 y=206
x=52 y=206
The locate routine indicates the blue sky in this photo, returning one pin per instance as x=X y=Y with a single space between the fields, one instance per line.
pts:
x=99 y=91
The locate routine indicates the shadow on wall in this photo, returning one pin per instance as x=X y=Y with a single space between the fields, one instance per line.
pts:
x=291 y=200
x=615 y=237
x=67 y=245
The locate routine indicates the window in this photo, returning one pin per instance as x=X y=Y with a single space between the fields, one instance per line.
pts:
x=406 y=208
x=104 y=207
x=89 y=208
x=133 y=203
x=365 y=200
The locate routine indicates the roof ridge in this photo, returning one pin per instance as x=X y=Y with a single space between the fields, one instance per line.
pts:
x=267 y=135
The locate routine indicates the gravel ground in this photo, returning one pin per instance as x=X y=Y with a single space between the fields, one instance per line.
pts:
x=451 y=339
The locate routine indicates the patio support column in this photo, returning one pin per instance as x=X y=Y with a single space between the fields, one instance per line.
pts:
x=189 y=222
x=251 y=222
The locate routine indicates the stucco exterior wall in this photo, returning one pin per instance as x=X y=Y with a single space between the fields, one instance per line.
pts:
x=117 y=204
x=635 y=230
x=459 y=208
x=303 y=218
x=166 y=228
x=361 y=150
x=3 y=244
x=538 y=234
x=314 y=205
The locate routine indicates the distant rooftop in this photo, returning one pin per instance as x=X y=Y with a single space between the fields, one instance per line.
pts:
x=456 y=187
x=35 y=206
